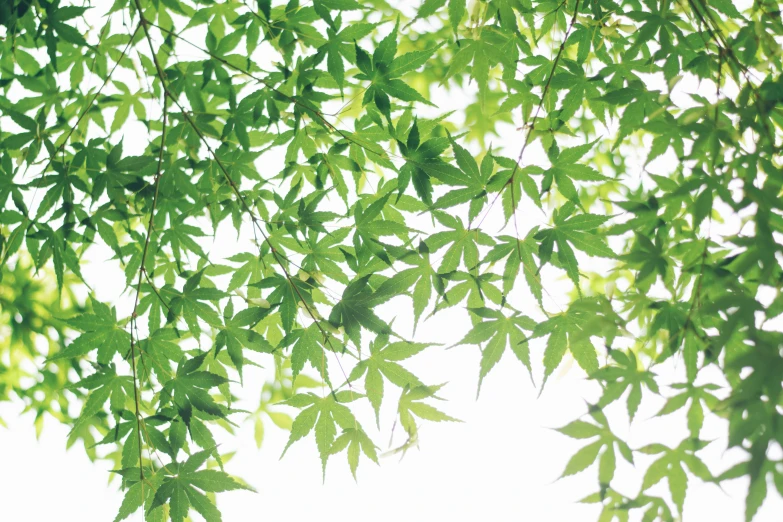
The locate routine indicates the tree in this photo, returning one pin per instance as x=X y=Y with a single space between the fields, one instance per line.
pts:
x=646 y=143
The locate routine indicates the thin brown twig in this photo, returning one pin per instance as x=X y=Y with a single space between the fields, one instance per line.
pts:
x=530 y=126
x=142 y=270
x=156 y=291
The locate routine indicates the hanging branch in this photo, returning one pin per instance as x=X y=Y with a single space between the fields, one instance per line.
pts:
x=725 y=49
x=62 y=145
x=256 y=222
x=532 y=123
x=142 y=273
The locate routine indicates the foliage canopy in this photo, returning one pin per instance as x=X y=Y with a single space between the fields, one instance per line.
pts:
x=641 y=163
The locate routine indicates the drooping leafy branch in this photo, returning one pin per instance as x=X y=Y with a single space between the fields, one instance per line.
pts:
x=646 y=136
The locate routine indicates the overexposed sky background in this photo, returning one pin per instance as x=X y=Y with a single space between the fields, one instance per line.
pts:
x=501 y=464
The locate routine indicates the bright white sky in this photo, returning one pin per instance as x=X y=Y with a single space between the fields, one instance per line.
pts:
x=501 y=464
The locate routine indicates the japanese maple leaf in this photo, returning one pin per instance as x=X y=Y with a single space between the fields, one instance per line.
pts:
x=354 y=311
x=324 y=415
x=576 y=231
x=473 y=179
x=499 y=331
x=184 y=486
x=100 y=331
x=188 y=389
x=383 y=362
x=383 y=71
x=565 y=170
x=462 y=243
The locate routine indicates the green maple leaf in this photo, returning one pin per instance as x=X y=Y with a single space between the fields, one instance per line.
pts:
x=423 y=162
x=668 y=134
x=56 y=18
x=189 y=389
x=249 y=270
x=323 y=415
x=625 y=376
x=422 y=277
x=564 y=171
x=307 y=346
x=288 y=293
x=512 y=189
x=384 y=79
x=369 y=229
x=105 y=385
x=519 y=258
x=160 y=350
x=576 y=231
x=309 y=217
x=61 y=187
x=578 y=88
x=180 y=236
x=650 y=260
x=473 y=179
x=462 y=243
x=381 y=363
x=499 y=331
x=322 y=253
x=757 y=490
x=412 y=406
x=354 y=311
x=140 y=493
x=671 y=465
x=339 y=46
x=477 y=290
x=606 y=443
x=355 y=441
x=238 y=334
x=491 y=49
x=186 y=486
x=698 y=396
x=566 y=333
x=101 y=332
